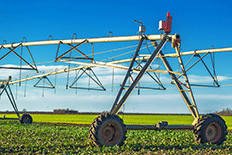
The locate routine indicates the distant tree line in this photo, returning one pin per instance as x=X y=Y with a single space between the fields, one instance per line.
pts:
x=64 y=111
x=225 y=112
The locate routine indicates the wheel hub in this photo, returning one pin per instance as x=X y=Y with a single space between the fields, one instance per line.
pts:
x=108 y=133
x=108 y=130
x=213 y=132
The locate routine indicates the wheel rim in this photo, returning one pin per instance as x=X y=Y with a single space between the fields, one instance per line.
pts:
x=213 y=132
x=26 y=119
x=110 y=133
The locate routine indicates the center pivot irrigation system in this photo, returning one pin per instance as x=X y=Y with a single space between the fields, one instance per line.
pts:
x=108 y=129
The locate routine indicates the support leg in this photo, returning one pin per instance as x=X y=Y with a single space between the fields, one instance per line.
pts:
x=26 y=118
x=12 y=101
x=190 y=102
x=116 y=109
x=127 y=74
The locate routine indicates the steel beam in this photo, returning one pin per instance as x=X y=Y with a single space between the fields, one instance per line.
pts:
x=48 y=74
x=153 y=127
x=229 y=49
x=109 y=65
x=147 y=56
x=89 y=40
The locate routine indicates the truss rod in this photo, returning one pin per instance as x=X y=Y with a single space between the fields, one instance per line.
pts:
x=89 y=40
x=229 y=49
x=86 y=65
x=48 y=74
x=147 y=56
x=109 y=65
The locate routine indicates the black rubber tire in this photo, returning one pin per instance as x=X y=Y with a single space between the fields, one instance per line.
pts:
x=108 y=130
x=26 y=118
x=211 y=128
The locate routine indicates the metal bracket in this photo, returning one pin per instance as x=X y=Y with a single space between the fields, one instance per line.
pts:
x=214 y=77
x=12 y=50
x=161 y=125
x=72 y=48
x=45 y=80
x=94 y=78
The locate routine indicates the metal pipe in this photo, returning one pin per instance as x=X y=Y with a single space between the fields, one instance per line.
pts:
x=147 y=56
x=207 y=51
x=9 y=118
x=153 y=127
x=109 y=65
x=229 y=49
x=86 y=65
x=89 y=40
x=47 y=74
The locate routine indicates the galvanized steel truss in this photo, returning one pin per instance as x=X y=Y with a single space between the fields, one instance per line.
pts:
x=183 y=87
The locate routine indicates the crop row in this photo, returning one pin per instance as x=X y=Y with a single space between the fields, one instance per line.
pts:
x=37 y=138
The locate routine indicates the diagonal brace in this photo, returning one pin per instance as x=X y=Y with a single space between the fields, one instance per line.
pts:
x=73 y=47
x=116 y=109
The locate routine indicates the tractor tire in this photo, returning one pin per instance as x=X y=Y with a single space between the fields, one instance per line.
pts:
x=210 y=128
x=26 y=118
x=108 y=130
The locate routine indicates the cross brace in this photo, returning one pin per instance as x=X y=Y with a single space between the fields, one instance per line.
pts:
x=189 y=100
x=117 y=106
x=4 y=85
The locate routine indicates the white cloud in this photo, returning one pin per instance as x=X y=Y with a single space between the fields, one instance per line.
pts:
x=223 y=78
x=51 y=67
x=214 y=97
x=205 y=79
x=5 y=73
x=154 y=101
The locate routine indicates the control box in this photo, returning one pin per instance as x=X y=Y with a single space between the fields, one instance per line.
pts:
x=166 y=25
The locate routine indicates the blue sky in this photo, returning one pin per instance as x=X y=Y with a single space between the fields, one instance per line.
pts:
x=201 y=24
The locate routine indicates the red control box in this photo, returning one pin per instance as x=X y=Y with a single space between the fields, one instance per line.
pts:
x=166 y=25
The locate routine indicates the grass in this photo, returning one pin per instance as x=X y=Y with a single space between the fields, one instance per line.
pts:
x=128 y=119
x=16 y=138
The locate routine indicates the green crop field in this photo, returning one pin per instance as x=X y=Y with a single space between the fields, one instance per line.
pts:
x=128 y=119
x=53 y=138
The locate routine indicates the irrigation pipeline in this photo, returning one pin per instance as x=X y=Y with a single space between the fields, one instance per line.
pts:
x=88 y=40
x=102 y=52
x=147 y=83
x=96 y=40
